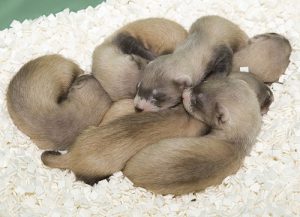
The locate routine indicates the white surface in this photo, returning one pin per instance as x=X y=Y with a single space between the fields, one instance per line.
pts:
x=244 y=69
x=268 y=184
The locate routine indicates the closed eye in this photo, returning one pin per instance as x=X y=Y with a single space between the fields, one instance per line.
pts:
x=199 y=102
x=177 y=102
x=159 y=97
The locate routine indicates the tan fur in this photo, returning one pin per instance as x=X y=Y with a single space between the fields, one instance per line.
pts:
x=263 y=92
x=159 y=35
x=118 y=109
x=209 y=48
x=100 y=151
x=218 y=30
x=266 y=55
x=184 y=165
x=49 y=102
x=119 y=73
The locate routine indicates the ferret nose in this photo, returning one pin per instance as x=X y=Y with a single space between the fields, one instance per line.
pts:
x=137 y=109
x=194 y=99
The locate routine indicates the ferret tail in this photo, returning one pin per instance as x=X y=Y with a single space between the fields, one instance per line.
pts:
x=131 y=45
x=55 y=159
x=36 y=90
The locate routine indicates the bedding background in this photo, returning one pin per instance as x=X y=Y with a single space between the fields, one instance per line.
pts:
x=267 y=185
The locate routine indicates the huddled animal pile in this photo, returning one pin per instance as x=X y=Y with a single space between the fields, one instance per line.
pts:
x=169 y=108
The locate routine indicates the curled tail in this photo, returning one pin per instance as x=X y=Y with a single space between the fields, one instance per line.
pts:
x=55 y=159
x=52 y=102
x=35 y=92
x=131 y=45
x=183 y=165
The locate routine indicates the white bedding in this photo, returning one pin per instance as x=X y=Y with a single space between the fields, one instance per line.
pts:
x=267 y=185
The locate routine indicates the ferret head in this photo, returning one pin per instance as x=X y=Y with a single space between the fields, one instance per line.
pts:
x=221 y=102
x=156 y=90
x=159 y=94
x=266 y=56
x=267 y=36
x=162 y=83
x=276 y=43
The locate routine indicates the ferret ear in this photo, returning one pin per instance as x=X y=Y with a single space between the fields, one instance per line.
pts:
x=221 y=114
x=183 y=81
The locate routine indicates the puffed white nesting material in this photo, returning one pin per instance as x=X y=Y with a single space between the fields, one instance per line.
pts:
x=267 y=185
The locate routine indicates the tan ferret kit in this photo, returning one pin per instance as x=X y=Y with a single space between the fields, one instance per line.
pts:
x=51 y=101
x=119 y=60
x=176 y=111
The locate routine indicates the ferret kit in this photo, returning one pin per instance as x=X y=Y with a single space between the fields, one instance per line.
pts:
x=176 y=111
